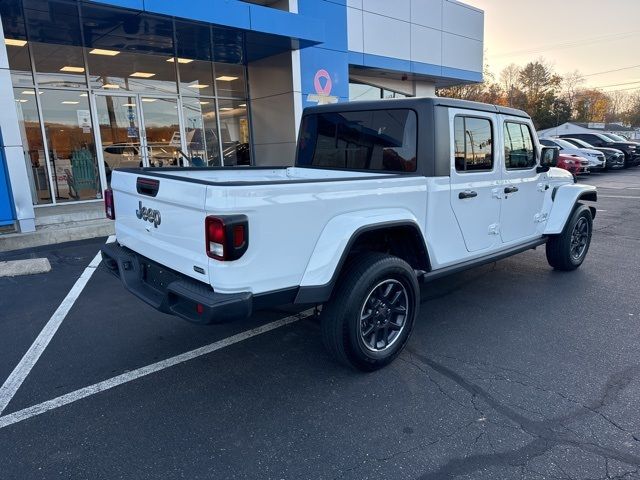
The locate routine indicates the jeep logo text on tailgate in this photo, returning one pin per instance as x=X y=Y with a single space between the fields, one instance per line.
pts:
x=148 y=214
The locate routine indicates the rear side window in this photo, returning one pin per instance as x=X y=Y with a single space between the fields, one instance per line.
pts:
x=519 y=152
x=473 y=138
x=383 y=140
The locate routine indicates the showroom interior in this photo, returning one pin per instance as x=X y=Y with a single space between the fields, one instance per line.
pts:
x=89 y=86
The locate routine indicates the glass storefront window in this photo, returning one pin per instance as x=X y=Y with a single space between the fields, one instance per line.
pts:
x=392 y=94
x=196 y=77
x=360 y=91
x=230 y=80
x=201 y=132
x=58 y=65
x=32 y=145
x=19 y=62
x=234 y=130
x=72 y=153
x=133 y=72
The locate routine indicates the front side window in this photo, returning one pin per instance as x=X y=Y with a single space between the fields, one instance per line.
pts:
x=473 y=140
x=519 y=152
x=383 y=140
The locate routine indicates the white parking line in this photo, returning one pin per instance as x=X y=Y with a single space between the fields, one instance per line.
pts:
x=617 y=196
x=18 y=375
x=76 y=395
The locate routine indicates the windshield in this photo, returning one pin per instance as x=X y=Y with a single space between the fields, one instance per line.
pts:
x=383 y=140
x=564 y=144
x=604 y=138
x=615 y=137
x=580 y=143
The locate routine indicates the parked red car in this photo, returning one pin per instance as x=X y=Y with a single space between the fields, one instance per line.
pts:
x=575 y=165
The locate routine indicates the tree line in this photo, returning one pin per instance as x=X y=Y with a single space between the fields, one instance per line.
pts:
x=549 y=98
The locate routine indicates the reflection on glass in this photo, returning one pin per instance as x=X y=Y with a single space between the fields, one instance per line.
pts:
x=473 y=140
x=162 y=132
x=19 y=63
x=201 y=133
x=230 y=80
x=119 y=131
x=196 y=77
x=360 y=91
x=234 y=130
x=72 y=154
x=131 y=72
x=58 y=65
x=32 y=145
x=518 y=146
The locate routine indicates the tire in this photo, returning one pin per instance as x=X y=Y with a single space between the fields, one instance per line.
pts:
x=363 y=324
x=568 y=250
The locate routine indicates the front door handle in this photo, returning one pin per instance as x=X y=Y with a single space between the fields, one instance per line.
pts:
x=510 y=189
x=467 y=194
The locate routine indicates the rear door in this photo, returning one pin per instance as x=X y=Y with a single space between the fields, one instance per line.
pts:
x=523 y=188
x=162 y=219
x=474 y=178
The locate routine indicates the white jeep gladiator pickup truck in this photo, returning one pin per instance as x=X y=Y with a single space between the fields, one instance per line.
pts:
x=383 y=196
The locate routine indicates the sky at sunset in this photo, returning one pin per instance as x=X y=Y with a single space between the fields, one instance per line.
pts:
x=591 y=36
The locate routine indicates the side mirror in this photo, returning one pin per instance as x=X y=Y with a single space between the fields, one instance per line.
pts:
x=548 y=158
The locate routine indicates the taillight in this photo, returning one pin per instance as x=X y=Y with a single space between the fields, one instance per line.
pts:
x=216 y=238
x=226 y=237
x=109 y=206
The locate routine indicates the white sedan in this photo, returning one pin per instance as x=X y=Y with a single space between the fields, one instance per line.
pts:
x=596 y=158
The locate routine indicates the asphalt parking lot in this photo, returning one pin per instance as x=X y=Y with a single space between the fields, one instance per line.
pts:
x=513 y=371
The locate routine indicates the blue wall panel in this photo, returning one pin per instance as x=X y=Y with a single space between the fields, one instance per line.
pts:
x=7 y=216
x=325 y=68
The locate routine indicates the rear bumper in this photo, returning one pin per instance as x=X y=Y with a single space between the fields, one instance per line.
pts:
x=172 y=292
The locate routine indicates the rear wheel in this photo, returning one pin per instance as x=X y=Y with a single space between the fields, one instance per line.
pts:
x=368 y=320
x=568 y=250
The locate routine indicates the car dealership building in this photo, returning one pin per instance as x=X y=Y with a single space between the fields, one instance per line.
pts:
x=90 y=86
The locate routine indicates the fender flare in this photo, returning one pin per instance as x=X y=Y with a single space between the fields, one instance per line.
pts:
x=565 y=198
x=335 y=242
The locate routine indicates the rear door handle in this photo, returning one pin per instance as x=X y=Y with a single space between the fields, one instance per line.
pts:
x=467 y=194
x=510 y=189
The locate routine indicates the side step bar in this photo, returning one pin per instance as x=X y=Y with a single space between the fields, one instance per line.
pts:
x=476 y=262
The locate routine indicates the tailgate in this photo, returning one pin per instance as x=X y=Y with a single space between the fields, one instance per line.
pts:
x=162 y=219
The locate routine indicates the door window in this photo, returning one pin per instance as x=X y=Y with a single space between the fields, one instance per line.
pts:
x=201 y=134
x=119 y=131
x=70 y=143
x=162 y=132
x=519 y=152
x=473 y=138
x=32 y=145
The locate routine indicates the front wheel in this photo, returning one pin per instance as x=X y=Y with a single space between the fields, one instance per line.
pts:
x=369 y=318
x=568 y=250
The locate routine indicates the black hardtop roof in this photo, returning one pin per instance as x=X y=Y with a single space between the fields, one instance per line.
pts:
x=413 y=101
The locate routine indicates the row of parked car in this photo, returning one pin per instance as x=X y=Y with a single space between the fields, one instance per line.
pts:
x=583 y=153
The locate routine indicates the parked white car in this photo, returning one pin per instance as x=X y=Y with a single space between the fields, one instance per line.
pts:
x=384 y=195
x=595 y=158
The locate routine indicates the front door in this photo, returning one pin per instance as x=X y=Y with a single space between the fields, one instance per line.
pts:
x=474 y=178
x=119 y=124
x=138 y=131
x=161 y=132
x=524 y=188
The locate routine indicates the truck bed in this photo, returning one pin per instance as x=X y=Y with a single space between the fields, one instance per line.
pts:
x=287 y=208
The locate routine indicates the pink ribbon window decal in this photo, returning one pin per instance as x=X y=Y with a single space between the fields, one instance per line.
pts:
x=320 y=90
